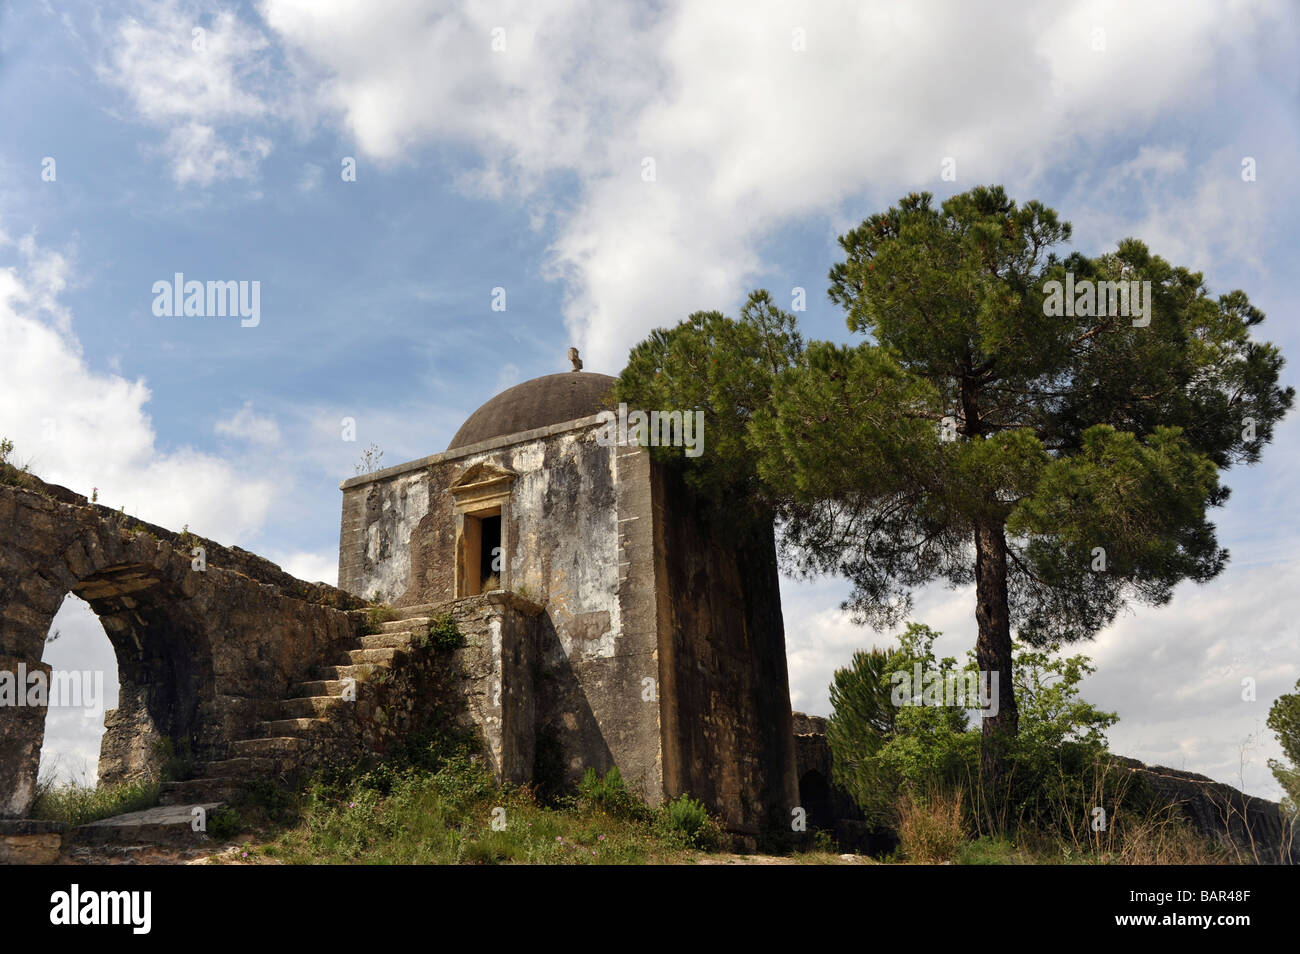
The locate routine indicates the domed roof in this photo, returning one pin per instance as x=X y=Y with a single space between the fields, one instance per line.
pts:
x=550 y=399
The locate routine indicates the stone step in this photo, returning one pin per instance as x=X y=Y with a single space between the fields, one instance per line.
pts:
x=238 y=768
x=198 y=791
x=410 y=625
x=280 y=747
x=165 y=824
x=414 y=612
x=373 y=657
x=288 y=728
x=336 y=674
x=322 y=687
x=309 y=707
x=399 y=640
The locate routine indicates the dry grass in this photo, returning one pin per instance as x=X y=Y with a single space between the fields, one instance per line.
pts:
x=931 y=828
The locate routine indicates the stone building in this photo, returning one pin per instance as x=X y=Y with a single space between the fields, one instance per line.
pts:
x=659 y=647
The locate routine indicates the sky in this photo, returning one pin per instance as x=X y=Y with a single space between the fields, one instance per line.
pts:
x=386 y=169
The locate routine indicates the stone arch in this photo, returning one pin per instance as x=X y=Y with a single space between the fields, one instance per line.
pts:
x=150 y=602
x=815 y=797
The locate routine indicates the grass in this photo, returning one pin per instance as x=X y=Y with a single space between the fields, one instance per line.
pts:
x=937 y=829
x=375 y=618
x=14 y=475
x=933 y=829
x=436 y=802
x=76 y=804
x=459 y=815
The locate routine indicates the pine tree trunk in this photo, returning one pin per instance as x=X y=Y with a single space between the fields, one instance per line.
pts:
x=993 y=651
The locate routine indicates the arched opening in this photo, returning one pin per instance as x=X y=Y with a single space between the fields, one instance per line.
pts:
x=159 y=613
x=83 y=686
x=155 y=653
x=815 y=797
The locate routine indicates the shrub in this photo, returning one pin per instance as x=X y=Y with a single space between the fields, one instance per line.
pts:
x=884 y=752
x=689 y=823
x=1284 y=719
x=931 y=829
x=225 y=823
x=444 y=634
x=609 y=795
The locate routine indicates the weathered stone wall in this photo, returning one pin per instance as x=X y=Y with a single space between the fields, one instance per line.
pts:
x=484 y=688
x=728 y=734
x=563 y=543
x=201 y=655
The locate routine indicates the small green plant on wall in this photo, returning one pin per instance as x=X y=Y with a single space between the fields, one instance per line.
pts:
x=444 y=634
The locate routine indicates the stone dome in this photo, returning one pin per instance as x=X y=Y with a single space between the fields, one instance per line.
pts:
x=550 y=399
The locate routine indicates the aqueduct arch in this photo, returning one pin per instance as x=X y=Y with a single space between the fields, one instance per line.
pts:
x=202 y=648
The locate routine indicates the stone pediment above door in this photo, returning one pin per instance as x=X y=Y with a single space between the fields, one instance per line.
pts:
x=481 y=484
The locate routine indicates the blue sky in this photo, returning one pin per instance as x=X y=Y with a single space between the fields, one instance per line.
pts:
x=503 y=145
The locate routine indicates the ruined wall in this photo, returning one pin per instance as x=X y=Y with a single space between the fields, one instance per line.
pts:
x=201 y=655
x=829 y=807
x=1251 y=830
x=564 y=548
x=484 y=688
x=728 y=732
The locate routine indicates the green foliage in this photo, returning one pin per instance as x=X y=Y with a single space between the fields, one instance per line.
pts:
x=444 y=634
x=79 y=804
x=975 y=427
x=437 y=805
x=609 y=795
x=881 y=748
x=11 y=473
x=176 y=759
x=1072 y=433
x=688 y=823
x=824 y=842
x=883 y=752
x=988 y=850
x=375 y=618
x=1284 y=719
x=225 y=822
x=726 y=368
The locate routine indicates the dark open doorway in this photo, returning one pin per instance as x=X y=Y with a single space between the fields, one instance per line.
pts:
x=489 y=557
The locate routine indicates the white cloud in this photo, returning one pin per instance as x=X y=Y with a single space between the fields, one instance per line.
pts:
x=315 y=567
x=86 y=429
x=199 y=156
x=247 y=425
x=192 y=82
x=747 y=132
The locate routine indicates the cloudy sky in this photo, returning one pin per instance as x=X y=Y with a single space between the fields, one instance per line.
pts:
x=613 y=167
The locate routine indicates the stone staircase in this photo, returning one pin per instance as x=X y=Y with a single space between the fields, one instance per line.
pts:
x=283 y=743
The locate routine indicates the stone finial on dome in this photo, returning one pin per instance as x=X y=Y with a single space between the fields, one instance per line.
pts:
x=573 y=356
